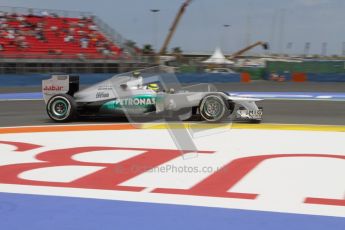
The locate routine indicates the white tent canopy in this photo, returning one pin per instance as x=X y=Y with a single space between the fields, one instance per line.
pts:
x=218 y=58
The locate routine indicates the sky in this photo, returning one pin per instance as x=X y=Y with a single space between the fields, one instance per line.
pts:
x=201 y=29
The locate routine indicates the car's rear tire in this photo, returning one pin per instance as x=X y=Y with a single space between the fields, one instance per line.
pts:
x=214 y=108
x=62 y=108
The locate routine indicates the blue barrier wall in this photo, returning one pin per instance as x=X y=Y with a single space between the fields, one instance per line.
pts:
x=7 y=80
x=315 y=77
x=36 y=79
x=287 y=76
x=321 y=77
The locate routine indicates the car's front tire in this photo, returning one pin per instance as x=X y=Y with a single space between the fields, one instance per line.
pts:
x=214 y=108
x=62 y=108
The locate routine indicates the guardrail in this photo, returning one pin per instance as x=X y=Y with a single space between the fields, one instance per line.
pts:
x=110 y=32
x=80 y=56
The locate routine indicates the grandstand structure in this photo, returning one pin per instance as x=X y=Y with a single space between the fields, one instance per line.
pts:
x=40 y=40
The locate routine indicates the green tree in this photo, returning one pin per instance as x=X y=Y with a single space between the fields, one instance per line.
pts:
x=176 y=51
x=147 y=49
x=131 y=43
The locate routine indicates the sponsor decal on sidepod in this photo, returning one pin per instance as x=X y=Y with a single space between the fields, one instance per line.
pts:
x=52 y=88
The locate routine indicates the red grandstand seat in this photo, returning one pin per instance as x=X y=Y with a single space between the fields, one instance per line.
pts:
x=54 y=40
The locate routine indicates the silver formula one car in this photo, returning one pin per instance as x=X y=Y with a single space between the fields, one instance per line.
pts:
x=150 y=93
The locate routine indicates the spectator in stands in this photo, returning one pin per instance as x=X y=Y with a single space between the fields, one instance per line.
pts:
x=20 y=18
x=69 y=38
x=81 y=33
x=39 y=34
x=106 y=46
x=28 y=25
x=24 y=32
x=94 y=40
x=11 y=34
x=45 y=13
x=12 y=17
x=54 y=51
x=106 y=52
x=54 y=28
x=71 y=30
x=73 y=25
x=3 y=33
x=30 y=13
x=84 y=43
x=40 y=25
x=21 y=38
x=54 y=15
x=81 y=24
x=22 y=44
x=3 y=20
x=3 y=25
x=93 y=27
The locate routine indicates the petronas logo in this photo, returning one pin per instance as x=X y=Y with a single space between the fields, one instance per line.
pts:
x=135 y=101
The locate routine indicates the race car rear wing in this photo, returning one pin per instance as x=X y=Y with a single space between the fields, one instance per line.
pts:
x=57 y=84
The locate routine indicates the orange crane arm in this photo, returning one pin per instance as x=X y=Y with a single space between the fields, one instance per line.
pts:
x=174 y=26
x=242 y=51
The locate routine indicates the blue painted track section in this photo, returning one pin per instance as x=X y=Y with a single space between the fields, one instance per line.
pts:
x=21 y=96
x=263 y=95
x=37 y=212
x=293 y=95
x=15 y=80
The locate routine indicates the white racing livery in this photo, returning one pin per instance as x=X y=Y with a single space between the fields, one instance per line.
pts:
x=150 y=93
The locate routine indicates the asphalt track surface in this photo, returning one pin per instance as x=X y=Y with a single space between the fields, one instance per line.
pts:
x=26 y=113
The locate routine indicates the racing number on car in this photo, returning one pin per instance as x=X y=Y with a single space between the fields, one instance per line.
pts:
x=216 y=185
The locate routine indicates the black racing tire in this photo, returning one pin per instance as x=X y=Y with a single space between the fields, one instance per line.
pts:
x=214 y=108
x=62 y=108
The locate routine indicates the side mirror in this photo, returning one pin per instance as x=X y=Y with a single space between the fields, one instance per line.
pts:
x=123 y=86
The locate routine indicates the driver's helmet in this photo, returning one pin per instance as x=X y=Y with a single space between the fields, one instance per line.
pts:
x=153 y=86
x=136 y=74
